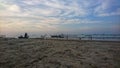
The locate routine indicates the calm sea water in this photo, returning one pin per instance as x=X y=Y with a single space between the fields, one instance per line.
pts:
x=107 y=37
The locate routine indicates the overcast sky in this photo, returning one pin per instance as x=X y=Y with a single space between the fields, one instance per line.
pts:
x=59 y=16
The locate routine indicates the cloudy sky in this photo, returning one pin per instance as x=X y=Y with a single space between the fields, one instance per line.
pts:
x=59 y=16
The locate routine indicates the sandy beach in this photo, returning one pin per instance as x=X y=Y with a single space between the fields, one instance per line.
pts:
x=37 y=53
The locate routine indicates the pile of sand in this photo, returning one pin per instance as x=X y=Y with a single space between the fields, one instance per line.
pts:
x=35 y=53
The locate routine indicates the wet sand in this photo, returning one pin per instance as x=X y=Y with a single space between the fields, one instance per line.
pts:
x=37 y=53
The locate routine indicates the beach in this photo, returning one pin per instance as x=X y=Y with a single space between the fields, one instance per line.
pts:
x=52 y=53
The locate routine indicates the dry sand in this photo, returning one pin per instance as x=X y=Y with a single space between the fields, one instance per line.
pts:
x=36 y=53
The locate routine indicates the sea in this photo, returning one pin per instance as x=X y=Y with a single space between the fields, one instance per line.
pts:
x=102 y=37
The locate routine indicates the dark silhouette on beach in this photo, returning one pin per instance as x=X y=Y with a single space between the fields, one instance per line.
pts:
x=26 y=36
x=57 y=36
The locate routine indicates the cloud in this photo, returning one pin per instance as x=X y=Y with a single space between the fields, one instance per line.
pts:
x=53 y=8
x=58 y=8
x=115 y=13
x=107 y=8
x=26 y=24
x=52 y=15
x=14 y=8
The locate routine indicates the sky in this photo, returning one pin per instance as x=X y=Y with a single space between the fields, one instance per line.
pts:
x=59 y=16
